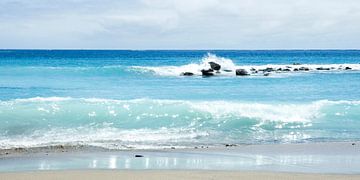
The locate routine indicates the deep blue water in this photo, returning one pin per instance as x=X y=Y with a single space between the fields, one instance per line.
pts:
x=118 y=99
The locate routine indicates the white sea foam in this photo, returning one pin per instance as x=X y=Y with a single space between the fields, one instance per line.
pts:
x=103 y=137
x=228 y=68
x=152 y=123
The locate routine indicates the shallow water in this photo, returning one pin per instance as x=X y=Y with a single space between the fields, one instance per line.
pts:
x=137 y=99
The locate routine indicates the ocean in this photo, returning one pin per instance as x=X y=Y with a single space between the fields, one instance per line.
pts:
x=123 y=99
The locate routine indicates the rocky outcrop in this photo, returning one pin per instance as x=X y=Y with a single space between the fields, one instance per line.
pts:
x=215 y=66
x=208 y=72
x=241 y=72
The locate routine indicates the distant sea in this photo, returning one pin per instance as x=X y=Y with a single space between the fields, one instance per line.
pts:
x=119 y=99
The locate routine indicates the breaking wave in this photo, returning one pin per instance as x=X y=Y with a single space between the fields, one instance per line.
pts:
x=228 y=68
x=149 y=123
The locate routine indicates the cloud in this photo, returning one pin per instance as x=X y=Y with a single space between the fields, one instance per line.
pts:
x=180 y=24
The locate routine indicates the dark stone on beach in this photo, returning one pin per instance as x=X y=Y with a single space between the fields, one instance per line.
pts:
x=6 y=153
x=187 y=74
x=208 y=72
x=279 y=69
x=266 y=74
x=241 y=72
x=348 y=68
x=296 y=64
x=322 y=69
x=304 y=69
x=252 y=69
x=139 y=155
x=215 y=66
x=296 y=69
x=195 y=147
x=227 y=70
x=172 y=147
x=230 y=145
x=353 y=144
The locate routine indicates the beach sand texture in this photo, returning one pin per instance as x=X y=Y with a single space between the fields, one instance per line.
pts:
x=166 y=175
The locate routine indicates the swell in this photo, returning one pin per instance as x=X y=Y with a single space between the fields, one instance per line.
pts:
x=149 y=123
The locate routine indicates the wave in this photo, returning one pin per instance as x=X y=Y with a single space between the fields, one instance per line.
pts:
x=149 y=123
x=228 y=68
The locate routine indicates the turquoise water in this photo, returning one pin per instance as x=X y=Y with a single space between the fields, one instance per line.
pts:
x=137 y=99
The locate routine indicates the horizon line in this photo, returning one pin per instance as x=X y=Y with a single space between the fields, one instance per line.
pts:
x=119 y=49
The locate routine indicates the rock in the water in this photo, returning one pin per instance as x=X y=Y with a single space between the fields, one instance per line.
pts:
x=138 y=155
x=304 y=69
x=227 y=70
x=268 y=69
x=215 y=66
x=348 y=68
x=286 y=69
x=296 y=69
x=241 y=72
x=296 y=64
x=322 y=69
x=187 y=74
x=208 y=72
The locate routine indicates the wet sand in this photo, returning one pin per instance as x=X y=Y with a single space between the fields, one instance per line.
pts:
x=168 y=175
x=335 y=160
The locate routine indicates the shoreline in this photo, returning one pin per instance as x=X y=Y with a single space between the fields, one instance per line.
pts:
x=168 y=174
x=323 y=158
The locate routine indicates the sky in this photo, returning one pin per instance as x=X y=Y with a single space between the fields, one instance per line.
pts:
x=180 y=24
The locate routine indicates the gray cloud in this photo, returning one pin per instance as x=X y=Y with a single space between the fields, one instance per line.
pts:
x=180 y=24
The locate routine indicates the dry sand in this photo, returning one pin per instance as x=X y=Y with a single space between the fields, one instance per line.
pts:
x=162 y=174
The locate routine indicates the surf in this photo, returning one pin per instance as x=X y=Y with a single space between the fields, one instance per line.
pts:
x=149 y=123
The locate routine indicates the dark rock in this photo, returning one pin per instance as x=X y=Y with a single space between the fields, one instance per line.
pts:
x=322 y=69
x=266 y=74
x=296 y=64
x=286 y=70
x=279 y=69
x=241 y=72
x=139 y=155
x=304 y=69
x=215 y=66
x=353 y=144
x=227 y=70
x=230 y=145
x=172 y=147
x=268 y=69
x=208 y=72
x=187 y=74
x=252 y=69
x=348 y=68
x=296 y=69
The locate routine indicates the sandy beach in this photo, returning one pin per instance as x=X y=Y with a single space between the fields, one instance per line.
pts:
x=337 y=160
x=169 y=175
